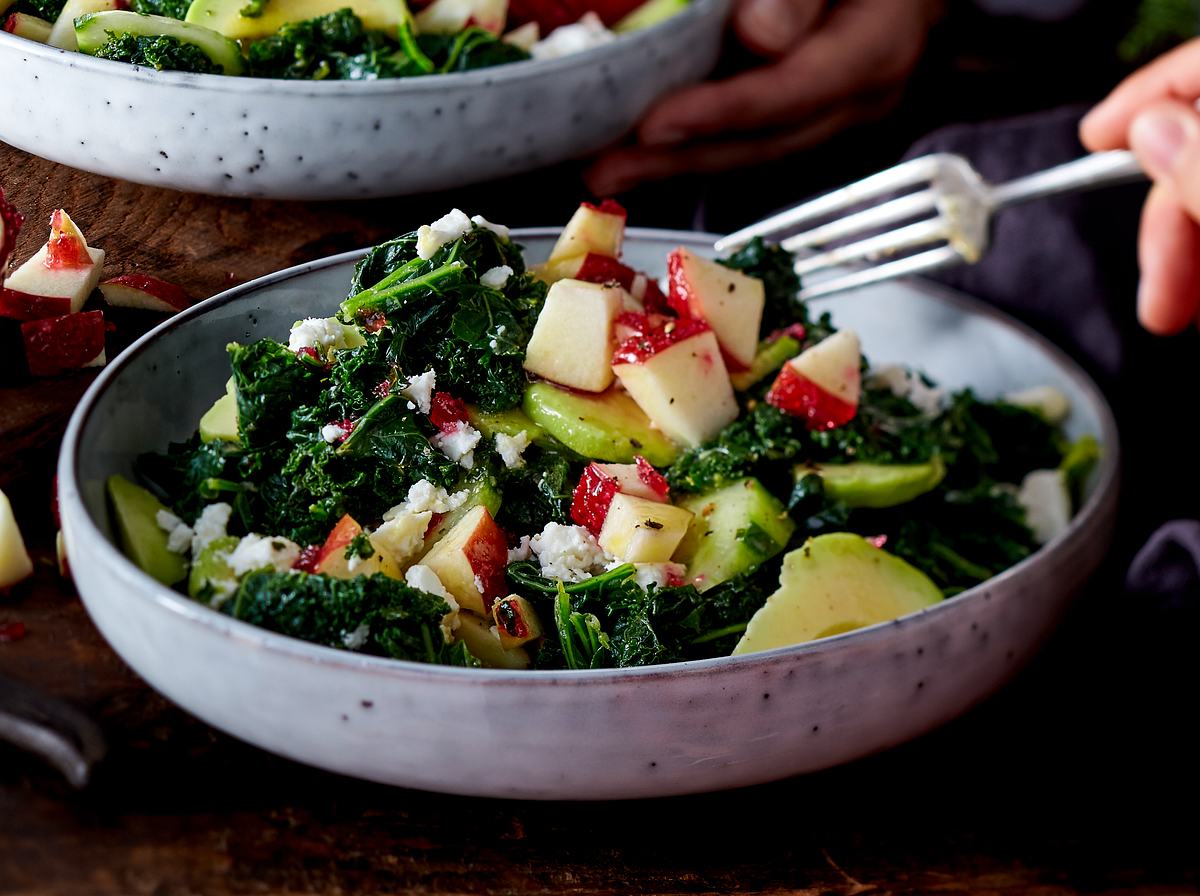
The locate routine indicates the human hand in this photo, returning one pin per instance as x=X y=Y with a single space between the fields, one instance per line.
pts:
x=828 y=65
x=1153 y=112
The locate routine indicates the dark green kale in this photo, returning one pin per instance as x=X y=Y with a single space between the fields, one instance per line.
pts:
x=330 y=47
x=159 y=52
x=539 y=491
x=43 y=9
x=442 y=318
x=465 y=50
x=191 y=475
x=271 y=381
x=172 y=9
x=1160 y=25
x=374 y=614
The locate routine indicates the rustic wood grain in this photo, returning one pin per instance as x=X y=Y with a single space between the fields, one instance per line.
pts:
x=1079 y=778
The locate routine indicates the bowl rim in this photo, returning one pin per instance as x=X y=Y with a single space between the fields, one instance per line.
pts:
x=214 y=622
x=524 y=70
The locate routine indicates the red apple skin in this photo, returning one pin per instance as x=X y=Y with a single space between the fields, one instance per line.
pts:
x=606 y=206
x=651 y=478
x=334 y=548
x=26 y=306
x=487 y=554
x=155 y=294
x=682 y=302
x=648 y=334
x=10 y=225
x=57 y=344
x=603 y=269
x=795 y=394
x=65 y=250
x=592 y=497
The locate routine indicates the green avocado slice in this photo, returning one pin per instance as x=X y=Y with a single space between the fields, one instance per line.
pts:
x=142 y=539
x=92 y=31
x=607 y=426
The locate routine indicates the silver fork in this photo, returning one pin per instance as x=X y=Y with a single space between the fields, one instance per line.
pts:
x=949 y=209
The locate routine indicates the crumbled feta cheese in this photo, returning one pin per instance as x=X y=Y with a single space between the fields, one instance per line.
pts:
x=904 y=383
x=521 y=551
x=321 y=333
x=659 y=575
x=425 y=579
x=222 y=590
x=1047 y=503
x=1047 y=402
x=210 y=526
x=420 y=390
x=588 y=32
x=446 y=229
x=255 y=552
x=494 y=342
x=333 y=432
x=459 y=443
x=402 y=534
x=179 y=533
x=424 y=495
x=570 y=553
x=496 y=277
x=484 y=224
x=510 y=448
x=357 y=638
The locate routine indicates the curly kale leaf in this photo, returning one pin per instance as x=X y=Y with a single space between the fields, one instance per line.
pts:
x=390 y=618
x=389 y=434
x=159 y=52
x=538 y=492
x=271 y=381
x=172 y=9
x=330 y=47
x=468 y=49
x=191 y=475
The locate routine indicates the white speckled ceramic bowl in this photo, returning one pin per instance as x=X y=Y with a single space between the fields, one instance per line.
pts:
x=569 y=735
x=342 y=140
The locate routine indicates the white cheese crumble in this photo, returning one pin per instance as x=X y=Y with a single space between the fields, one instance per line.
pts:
x=484 y=224
x=588 y=32
x=1047 y=503
x=510 y=448
x=357 y=638
x=210 y=526
x=904 y=383
x=321 y=333
x=494 y=342
x=459 y=443
x=446 y=229
x=420 y=390
x=425 y=579
x=333 y=432
x=521 y=551
x=179 y=533
x=1047 y=402
x=256 y=552
x=570 y=553
x=658 y=574
x=496 y=277
x=423 y=495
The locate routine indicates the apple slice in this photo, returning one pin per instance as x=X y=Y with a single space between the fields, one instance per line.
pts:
x=524 y=37
x=572 y=341
x=10 y=225
x=595 y=268
x=66 y=267
x=29 y=27
x=331 y=557
x=15 y=564
x=470 y=561
x=57 y=344
x=823 y=383
x=517 y=622
x=675 y=373
x=600 y=483
x=598 y=229
x=483 y=640
x=23 y=306
x=62 y=35
x=730 y=301
x=144 y=292
x=451 y=16
x=637 y=530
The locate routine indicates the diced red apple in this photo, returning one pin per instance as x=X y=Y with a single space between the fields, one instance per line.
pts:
x=573 y=339
x=596 y=268
x=516 y=620
x=23 y=306
x=823 y=383
x=62 y=35
x=10 y=225
x=450 y=16
x=524 y=37
x=331 y=557
x=15 y=564
x=144 y=292
x=637 y=530
x=29 y=27
x=470 y=561
x=730 y=301
x=675 y=373
x=57 y=344
x=66 y=267
x=593 y=229
x=600 y=483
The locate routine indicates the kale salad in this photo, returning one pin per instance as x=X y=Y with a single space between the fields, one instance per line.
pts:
x=328 y=39
x=575 y=466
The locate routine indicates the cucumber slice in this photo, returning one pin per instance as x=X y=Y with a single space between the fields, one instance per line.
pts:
x=735 y=529
x=510 y=423
x=877 y=485
x=220 y=422
x=92 y=32
x=650 y=13
x=769 y=358
x=225 y=16
x=142 y=540
x=211 y=569
x=606 y=426
x=834 y=584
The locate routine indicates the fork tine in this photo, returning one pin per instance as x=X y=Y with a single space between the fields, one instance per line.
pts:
x=910 y=206
x=910 y=237
x=915 y=264
x=903 y=175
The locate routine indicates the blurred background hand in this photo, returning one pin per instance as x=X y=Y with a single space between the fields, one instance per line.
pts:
x=1153 y=112
x=827 y=64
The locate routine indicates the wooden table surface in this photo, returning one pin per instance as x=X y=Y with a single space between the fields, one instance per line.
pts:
x=1081 y=776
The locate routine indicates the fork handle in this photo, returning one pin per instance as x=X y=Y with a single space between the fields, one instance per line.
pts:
x=1100 y=169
